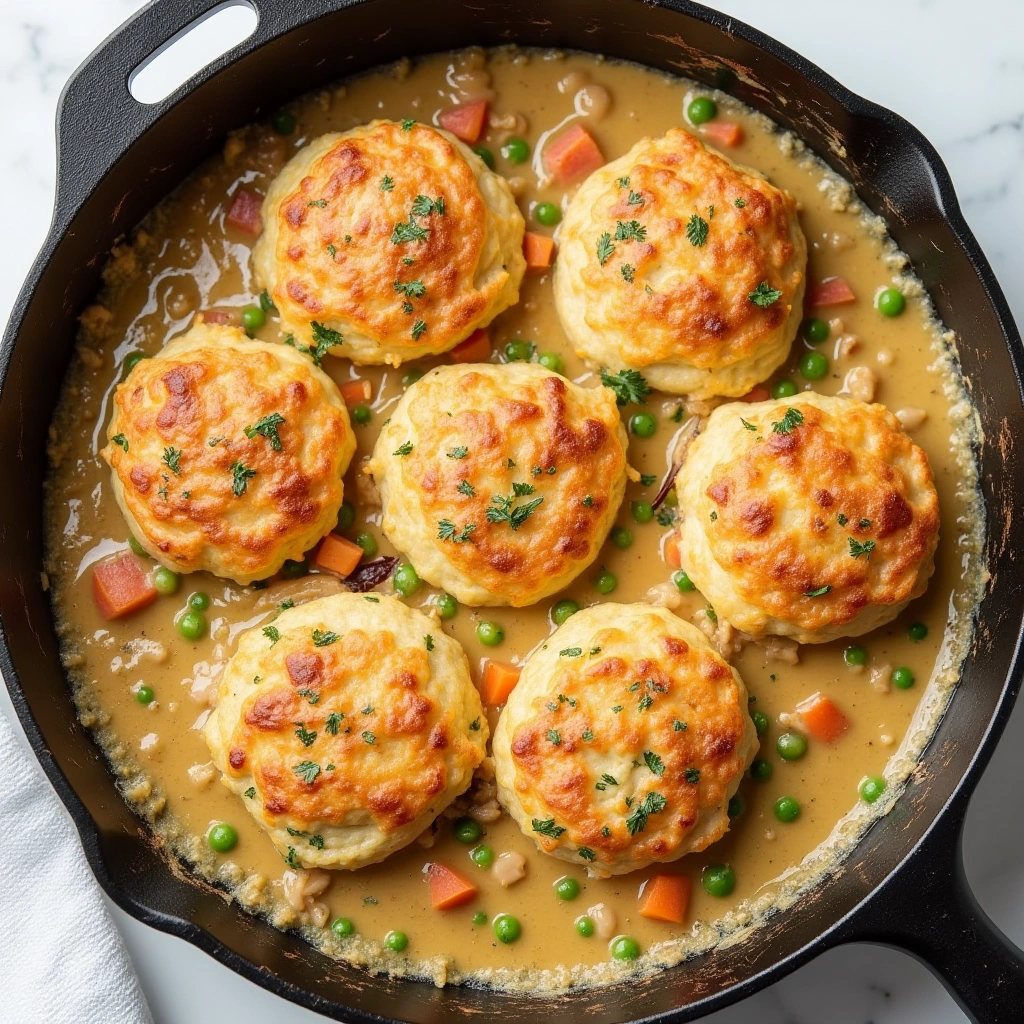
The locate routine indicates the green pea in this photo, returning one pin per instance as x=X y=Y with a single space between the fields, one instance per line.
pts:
x=506 y=928
x=917 y=632
x=346 y=516
x=368 y=543
x=903 y=678
x=787 y=809
x=760 y=770
x=855 y=656
x=199 y=601
x=192 y=625
x=548 y=214
x=490 y=634
x=565 y=609
x=222 y=837
x=606 y=582
x=292 y=569
x=137 y=547
x=701 y=110
x=791 y=746
x=783 y=389
x=813 y=365
x=283 y=123
x=447 y=606
x=516 y=150
x=165 y=582
x=567 y=888
x=479 y=917
x=145 y=695
x=815 y=331
x=482 y=856
x=342 y=927
x=643 y=424
x=253 y=318
x=718 y=879
x=550 y=361
x=622 y=947
x=518 y=351
x=411 y=375
x=584 y=926
x=466 y=830
x=890 y=302
x=871 y=788
x=761 y=722
x=485 y=154
x=737 y=805
x=643 y=511
x=682 y=581
x=362 y=414
x=396 y=941
x=406 y=580
x=621 y=537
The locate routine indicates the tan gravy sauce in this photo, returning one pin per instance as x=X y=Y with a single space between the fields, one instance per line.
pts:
x=183 y=259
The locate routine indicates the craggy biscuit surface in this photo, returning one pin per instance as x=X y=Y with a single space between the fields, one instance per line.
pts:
x=344 y=730
x=623 y=740
x=660 y=252
x=227 y=454
x=395 y=235
x=811 y=517
x=500 y=482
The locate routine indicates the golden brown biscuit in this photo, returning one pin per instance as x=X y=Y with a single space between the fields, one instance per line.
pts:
x=395 y=235
x=500 y=482
x=623 y=740
x=811 y=517
x=346 y=727
x=675 y=261
x=227 y=454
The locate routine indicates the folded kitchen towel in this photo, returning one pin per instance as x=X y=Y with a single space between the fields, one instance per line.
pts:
x=62 y=957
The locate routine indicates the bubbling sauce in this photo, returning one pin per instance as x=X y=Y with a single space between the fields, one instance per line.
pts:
x=183 y=259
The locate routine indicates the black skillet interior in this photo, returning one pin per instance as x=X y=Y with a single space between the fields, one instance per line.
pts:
x=117 y=158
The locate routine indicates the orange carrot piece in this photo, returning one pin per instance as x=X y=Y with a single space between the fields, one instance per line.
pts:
x=356 y=392
x=499 y=681
x=833 y=291
x=670 y=550
x=475 y=349
x=338 y=555
x=822 y=719
x=758 y=394
x=666 y=898
x=120 y=587
x=723 y=133
x=466 y=121
x=447 y=887
x=538 y=250
x=574 y=154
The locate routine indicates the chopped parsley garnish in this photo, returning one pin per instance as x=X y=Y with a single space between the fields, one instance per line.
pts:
x=609 y=780
x=291 y=860
x=586 y=735
x=412 y=289
x=571 y=652
x=748 y=426
x=645 y=702
x=120 y=439
x=475 y=725
x=286 y=604
x=605 y=248
x=447 y=530
x=586 y=853
x=692 y=776
x=306 y=736
x=311 y=695
x=423 y=206
x=408 y=123
x=267 y=427
x=764 y=296
x=712 y=615
x=368 y=710
x=172 y=459
x=466 y=488
x=666 y=515
x=266 y=302
x=307 y=771
x=588 y=500
x=554 y=736
x=714 y=516
x=458 y=452
x=653 y=803
x=418 y=328
x=857 y=548
x=428 y=642
x=628 y=385
x=317 y=202
x=403 y=449
x=331 y=251
x=387 y=183
x=818 y=592
x=317 y=841
x=272 y=633
x=250 y=792
x=408 y=231
x=646 y=479
x=368 y=737
x=630 y=231
x=841 y=519
x=241 y=475
x=739 y=203
x=864 y=524
x=407 y=307
x=678 y=726
x=635 y=199
x=790 y=421
x=697 y=230
x=333 y=722
x=547 y=827
x=627 y=270
x=502 y=510
x=622 y=182
x=324 y=638
x=324 y=338
x=617 y=708
x=654 y=762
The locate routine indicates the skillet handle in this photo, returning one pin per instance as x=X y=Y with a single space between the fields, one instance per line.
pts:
x=929 y=910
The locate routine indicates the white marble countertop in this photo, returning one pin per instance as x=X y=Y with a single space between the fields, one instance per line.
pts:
x=955 y=72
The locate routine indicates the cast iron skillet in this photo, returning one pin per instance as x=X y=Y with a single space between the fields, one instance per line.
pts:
x=904 y=883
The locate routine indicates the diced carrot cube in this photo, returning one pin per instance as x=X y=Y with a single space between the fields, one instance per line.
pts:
x=833 y=291
x=822 y=719
x=244 y=214
x=499 y=681
x=723 y=133
x=120 y=587
x=574 y=154
x=758 y=394
x=447 y=887
x=475 y=349
x=466 y=121
x=666 y=898
x=356 y=392
x=538 y=250
x=670 y=550
x=338 y=555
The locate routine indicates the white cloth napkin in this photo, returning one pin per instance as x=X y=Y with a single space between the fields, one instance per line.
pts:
x=63 y=958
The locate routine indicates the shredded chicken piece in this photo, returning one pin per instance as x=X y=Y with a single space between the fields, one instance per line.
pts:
x=509 y=868
x=301 y=887
x=860 y=384
x=201 y=775
x=911 y=419
x=605 y=920
x=664 y=595
x=880 y=678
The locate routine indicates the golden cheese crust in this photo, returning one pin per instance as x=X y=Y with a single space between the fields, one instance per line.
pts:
x=820 y=522
x=195 y=489
x=662 y=303
x=470 y=449
x=343 y=723
x=623 y=740
x=400 y=238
